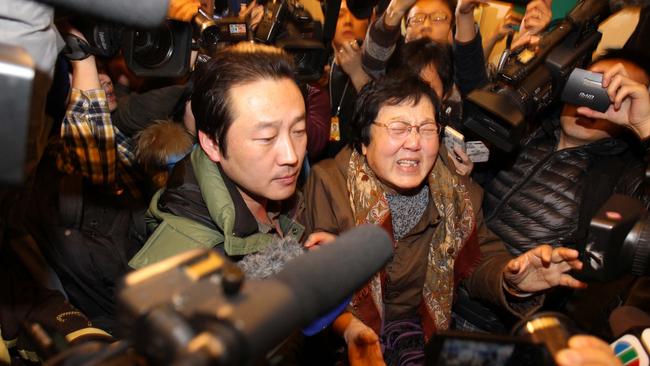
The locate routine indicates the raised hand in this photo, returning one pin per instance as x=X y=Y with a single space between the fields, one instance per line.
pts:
x=542 y=268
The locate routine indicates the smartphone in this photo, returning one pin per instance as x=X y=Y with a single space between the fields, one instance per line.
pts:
x=451 y=348
x=475 y=150
x=453 y=139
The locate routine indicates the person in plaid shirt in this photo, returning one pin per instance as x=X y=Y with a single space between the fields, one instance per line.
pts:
x=92 y=145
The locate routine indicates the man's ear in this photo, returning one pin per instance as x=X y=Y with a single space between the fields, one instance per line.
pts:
x=210 y=146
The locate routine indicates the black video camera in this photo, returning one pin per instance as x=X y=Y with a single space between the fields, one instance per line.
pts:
x=618 y=241
x=289 y=26
x=163 y=51
x=531 y=81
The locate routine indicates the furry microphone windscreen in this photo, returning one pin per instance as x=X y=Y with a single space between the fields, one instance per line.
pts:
x=271 y=259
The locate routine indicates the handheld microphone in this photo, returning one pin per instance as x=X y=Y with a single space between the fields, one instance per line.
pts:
x=632 y=327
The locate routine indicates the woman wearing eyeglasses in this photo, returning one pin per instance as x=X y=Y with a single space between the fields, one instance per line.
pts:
x=391 y=176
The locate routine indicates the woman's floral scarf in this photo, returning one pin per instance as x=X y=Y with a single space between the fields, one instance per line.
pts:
x=369 y=205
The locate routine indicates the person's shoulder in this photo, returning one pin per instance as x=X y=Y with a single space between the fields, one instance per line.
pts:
x=338 y=163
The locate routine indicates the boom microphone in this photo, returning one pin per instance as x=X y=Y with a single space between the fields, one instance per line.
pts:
x=324 y=277
x=140 y=13
x=197 y=300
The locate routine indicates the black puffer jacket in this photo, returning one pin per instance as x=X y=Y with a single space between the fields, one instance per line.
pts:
x=538 y=199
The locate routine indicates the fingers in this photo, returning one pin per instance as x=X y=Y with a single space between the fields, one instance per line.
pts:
x=545 y=253
x=318 y=238
x=563 y=254
x=610 y=72
x=586 y=350
x=462 y=163
x=467 y=6
x=588 y=112
x=568 y=281
x=513 y=266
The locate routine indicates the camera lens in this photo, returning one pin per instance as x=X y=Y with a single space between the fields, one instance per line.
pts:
x=635 y=252
x=153 y=48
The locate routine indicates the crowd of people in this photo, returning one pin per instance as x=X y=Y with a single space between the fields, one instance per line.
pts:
x=239 y=155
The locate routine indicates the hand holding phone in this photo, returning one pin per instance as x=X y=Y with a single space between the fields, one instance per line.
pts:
x=476 y=150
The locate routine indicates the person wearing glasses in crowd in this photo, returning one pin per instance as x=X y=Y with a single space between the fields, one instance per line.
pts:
x=431 y=19
x=390 y=175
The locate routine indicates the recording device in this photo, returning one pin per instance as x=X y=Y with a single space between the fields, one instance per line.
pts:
x=475 y=150
x=585 y=88
x=530 y=81
x=468 y=349
x=453 y=139
x=17 y=76
x=163 y=51
x=618 y=241
x=196 y=308
x=533 y=341
x=289 y=26
x=631 y=326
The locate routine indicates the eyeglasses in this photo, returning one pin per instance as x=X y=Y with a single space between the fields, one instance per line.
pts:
x=418 y=18
x=399 y=130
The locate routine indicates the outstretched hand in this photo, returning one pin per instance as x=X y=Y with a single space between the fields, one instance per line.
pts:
x=542 y=268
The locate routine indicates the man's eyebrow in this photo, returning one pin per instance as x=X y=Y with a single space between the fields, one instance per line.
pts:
x=300 y=118
x=269 y=124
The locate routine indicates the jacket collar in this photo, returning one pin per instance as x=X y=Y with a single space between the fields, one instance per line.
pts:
x=245 y=223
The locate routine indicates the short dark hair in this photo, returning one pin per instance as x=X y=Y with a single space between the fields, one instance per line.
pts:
x=631 y=55
x=232 y=66
x=390 y=90
x=418 y=54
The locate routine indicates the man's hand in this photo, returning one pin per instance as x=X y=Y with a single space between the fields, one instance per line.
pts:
x=318 y=238
x=587 y=351
x=537 y=17
x=349 y=58
x=465 y=29
x=630 y=101
x=363 y=345
x=542 y=268
x=396 y=10
x=506 y=25
x=465 y=7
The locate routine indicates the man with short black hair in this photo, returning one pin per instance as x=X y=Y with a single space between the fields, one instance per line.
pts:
x=564 y=172
x=236 y=190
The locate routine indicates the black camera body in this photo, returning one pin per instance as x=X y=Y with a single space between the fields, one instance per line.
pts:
x=618 y=241
x=163 y=52
x=529 y=82
x=585 y=88
x=289 y=26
